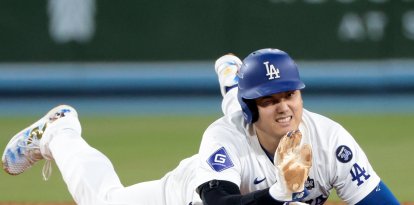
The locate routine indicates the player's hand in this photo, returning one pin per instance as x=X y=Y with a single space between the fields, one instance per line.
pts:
x=293 y=162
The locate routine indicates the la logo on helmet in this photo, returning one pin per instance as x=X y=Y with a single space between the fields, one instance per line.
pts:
x=272 y=72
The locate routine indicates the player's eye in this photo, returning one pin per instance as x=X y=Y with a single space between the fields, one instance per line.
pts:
x=265 y=102
x=290 y=94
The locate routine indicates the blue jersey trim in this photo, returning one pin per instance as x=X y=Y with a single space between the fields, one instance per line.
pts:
x=381 y=195
x=270 y=156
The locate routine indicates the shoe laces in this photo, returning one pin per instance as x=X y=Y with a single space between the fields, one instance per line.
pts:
x=31 y=144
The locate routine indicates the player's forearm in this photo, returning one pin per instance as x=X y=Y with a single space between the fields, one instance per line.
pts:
x=225 y=193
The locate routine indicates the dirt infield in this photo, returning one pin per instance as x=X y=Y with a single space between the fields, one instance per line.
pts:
x=71 y=203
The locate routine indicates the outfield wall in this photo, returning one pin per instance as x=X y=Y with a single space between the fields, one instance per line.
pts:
x=192 y=88
x=193 y=78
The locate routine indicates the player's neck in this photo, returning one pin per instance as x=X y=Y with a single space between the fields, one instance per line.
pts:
x=269 y=143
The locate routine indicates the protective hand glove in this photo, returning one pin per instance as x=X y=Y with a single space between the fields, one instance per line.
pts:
x=293 y=163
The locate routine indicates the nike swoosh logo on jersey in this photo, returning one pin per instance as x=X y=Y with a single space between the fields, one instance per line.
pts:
x=257 y=181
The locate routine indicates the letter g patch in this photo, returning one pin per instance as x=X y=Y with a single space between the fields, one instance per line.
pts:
x=220 y=160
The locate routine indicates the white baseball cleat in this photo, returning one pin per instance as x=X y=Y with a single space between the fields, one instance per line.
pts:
x=226 y=68
x=23 y=150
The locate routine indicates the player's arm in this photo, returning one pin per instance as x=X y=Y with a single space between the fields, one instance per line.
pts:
x=292 y=162
x=356 y=182
x=381 y=195
x=219 y=192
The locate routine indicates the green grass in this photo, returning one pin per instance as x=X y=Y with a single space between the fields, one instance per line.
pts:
x=387 y=141
x=145 y=148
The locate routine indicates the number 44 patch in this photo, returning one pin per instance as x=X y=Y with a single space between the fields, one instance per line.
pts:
x=359 y=174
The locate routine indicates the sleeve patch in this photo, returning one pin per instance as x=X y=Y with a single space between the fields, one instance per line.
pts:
x=220 y=160
x=343 y=154
x=359 y=174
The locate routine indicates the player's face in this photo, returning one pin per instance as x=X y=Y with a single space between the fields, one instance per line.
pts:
x=279 y=113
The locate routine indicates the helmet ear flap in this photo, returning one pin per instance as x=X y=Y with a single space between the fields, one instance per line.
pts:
x=250 y=112
x=251 y=105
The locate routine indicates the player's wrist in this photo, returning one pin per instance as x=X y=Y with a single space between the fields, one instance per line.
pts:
x=279 y=193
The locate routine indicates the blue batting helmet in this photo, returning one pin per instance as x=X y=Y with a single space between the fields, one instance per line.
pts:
x=263 y=73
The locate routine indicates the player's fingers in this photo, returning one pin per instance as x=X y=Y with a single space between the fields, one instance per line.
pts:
x=289 y=138
x=306 y=155
x=287 y=144
x=279 y=155
x=284 y=144
x=296 y=137
x=282 y=149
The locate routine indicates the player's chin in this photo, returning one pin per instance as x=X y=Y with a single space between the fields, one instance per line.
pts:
x=284 y=128
x=281 y=131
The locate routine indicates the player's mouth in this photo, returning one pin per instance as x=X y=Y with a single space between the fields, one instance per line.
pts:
x=284 y=119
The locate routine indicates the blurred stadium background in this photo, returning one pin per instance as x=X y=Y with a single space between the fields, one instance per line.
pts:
x=151 y=61
x=358 y=55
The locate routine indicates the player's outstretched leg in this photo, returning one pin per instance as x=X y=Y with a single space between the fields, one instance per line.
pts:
x=226 y=68
x=23 y=150
x=88 y=174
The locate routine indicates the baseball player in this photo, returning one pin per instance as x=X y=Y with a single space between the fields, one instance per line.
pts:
x=238 y=149
x=267 y=149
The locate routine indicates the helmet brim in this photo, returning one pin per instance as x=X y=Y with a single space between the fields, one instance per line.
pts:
x=272 y=87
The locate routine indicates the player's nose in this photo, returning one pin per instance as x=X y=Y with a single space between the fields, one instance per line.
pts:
x=282 y=107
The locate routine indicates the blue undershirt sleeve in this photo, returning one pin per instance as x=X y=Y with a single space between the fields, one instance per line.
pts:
x=381 y=195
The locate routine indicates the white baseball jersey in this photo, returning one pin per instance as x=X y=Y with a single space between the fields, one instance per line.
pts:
x=230 y=151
